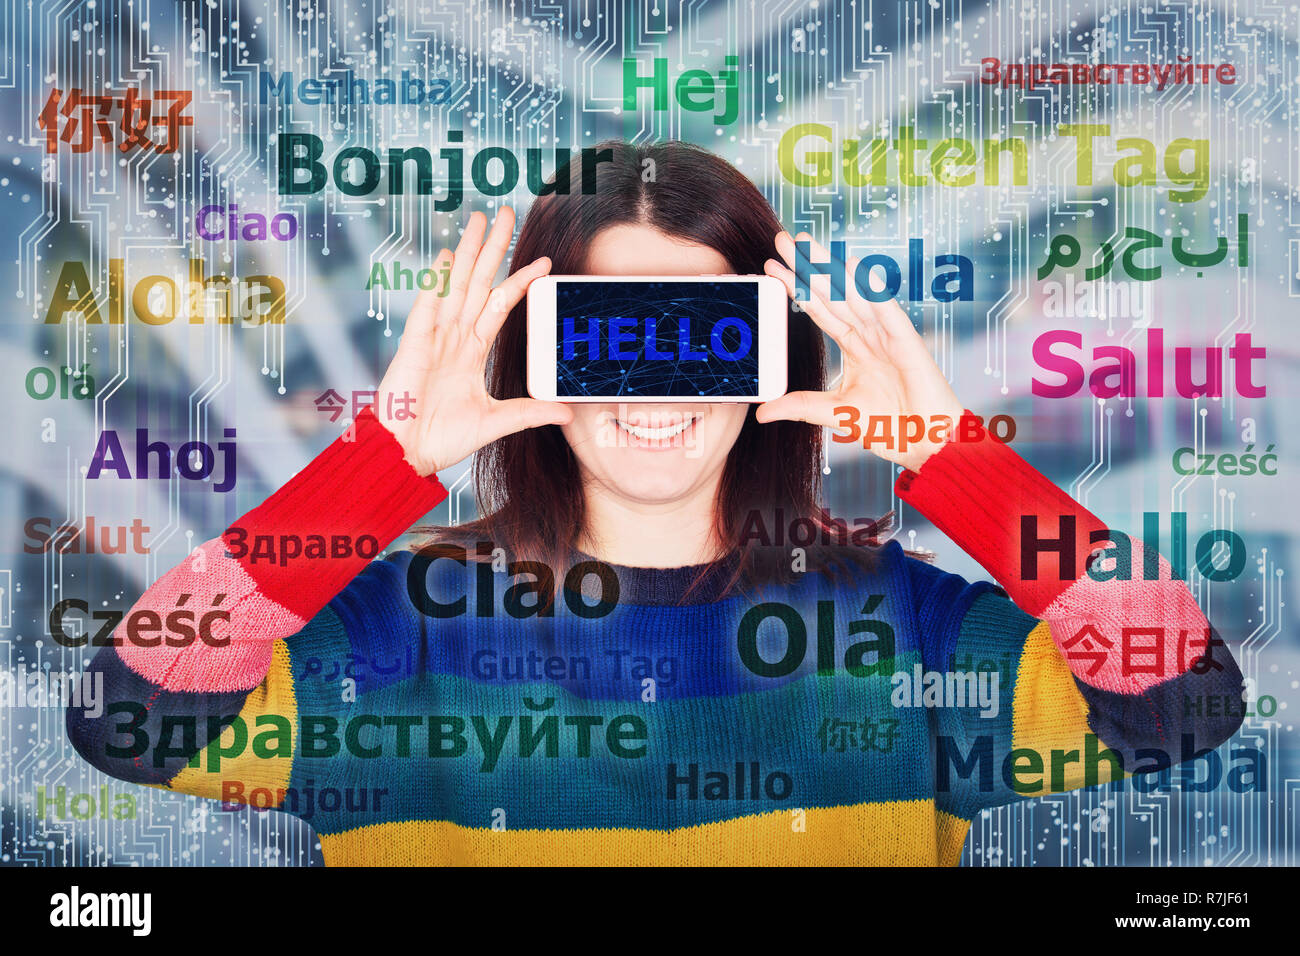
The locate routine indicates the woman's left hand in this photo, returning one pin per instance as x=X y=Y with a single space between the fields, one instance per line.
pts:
x=888 y=371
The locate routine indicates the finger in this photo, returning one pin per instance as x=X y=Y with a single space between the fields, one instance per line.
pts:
x=505 y=297
x=885 y=314
x=816 y=408
x=463 y=266
x=516 y=414
x=843 y=334
x=859 y=318
x=420 y=320
x=895 y=321
x=488 y=263
x=889 y=316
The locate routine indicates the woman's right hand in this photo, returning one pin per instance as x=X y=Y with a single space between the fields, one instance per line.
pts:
x=441 y=359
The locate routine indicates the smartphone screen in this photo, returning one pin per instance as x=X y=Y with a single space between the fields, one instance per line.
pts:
x=620 y=338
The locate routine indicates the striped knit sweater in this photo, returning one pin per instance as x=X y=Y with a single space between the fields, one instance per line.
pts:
x=771 y=728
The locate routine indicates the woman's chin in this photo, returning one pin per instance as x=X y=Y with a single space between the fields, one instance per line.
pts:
x=654 y=478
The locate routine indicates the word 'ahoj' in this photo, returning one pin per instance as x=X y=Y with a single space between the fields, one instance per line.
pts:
x=155 y=299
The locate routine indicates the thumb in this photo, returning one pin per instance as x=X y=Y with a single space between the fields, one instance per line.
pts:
x=516 y=414
x=812 y=407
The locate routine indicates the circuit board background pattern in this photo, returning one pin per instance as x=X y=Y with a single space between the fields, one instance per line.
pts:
x=526 y=74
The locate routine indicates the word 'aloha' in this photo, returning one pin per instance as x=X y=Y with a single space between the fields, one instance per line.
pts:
x=825 y=529
x=155 y=298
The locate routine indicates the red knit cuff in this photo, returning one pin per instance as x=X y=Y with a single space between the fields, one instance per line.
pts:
x=980 y=493
x=352 y=492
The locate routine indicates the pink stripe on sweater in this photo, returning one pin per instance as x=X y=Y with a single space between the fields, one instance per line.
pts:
x=1154 y=628
x=213 y=583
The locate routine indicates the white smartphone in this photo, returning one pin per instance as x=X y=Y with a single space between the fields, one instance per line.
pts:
x=657 y=338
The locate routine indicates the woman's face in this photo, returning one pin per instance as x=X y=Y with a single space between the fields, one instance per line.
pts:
x=652 y=453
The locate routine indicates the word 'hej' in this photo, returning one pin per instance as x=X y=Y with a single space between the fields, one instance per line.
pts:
x=953 y=161
x=1115 y=374
x=607 y=338
x=195 y=460
x=695 y=90
x=155 y=298
x=1065 y=251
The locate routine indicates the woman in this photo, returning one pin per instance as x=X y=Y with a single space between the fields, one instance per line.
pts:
x=613 y=665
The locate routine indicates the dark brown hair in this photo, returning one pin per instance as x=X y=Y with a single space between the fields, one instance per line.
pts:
x=528 y=484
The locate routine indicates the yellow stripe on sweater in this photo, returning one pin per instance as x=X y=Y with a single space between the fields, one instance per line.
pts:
x=273 y=696
x=899 y=833
x=1050 y=713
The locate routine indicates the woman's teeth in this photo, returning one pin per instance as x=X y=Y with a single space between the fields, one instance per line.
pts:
x=655 y=434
